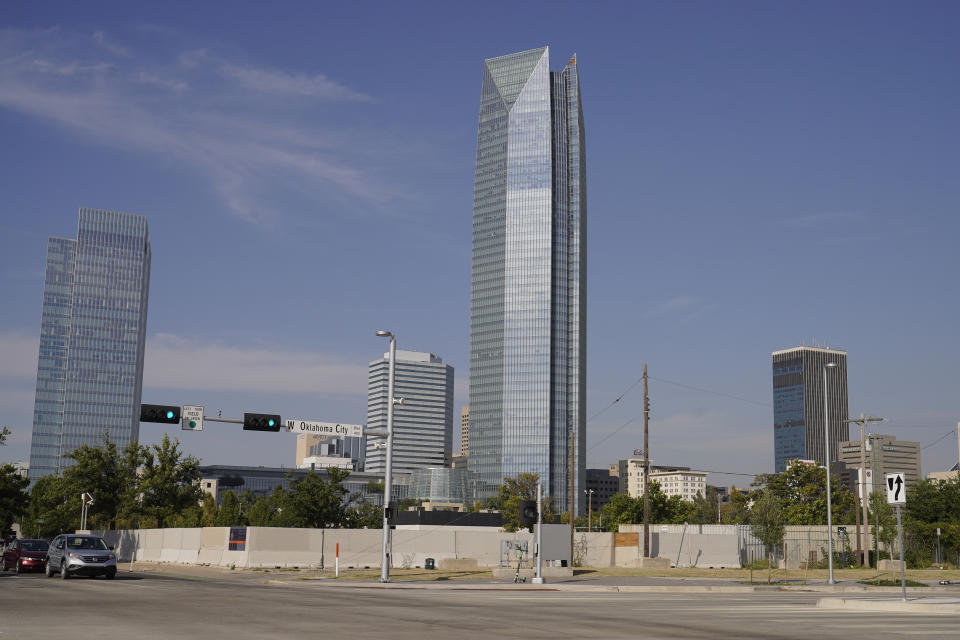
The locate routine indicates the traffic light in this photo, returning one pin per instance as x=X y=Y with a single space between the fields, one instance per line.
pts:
x=528 y=513
x=159 y=413
x=261 y=422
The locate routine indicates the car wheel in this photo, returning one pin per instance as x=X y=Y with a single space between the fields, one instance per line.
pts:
x=110 y=574
x=64 y=574
x=48 y=569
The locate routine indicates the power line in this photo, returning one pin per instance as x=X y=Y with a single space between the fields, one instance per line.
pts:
x=716 y=393
x=948 y=433
x=618 y=399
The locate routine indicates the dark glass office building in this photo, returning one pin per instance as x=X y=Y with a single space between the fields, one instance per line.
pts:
x=528 y=285
x=92 y=332
x=798 y=404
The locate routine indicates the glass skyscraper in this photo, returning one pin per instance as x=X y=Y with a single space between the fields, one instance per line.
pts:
x=798 y=404
x=92 y=333
x=528 y=284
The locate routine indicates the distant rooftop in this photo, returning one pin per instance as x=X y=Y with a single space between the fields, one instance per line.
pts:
x=802 y=348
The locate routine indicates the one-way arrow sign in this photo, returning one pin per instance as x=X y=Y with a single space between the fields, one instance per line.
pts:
x=896 y=491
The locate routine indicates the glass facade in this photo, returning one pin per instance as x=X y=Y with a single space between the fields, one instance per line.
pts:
x=528 y=284
x=798 y=404
x=92 y=336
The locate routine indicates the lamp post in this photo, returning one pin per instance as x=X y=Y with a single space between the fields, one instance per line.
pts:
x=387 y=478
x=826 y=439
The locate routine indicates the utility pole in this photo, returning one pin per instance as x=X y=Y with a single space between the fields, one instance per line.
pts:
x=646 y=466
x=864 y=559
x=572 y=437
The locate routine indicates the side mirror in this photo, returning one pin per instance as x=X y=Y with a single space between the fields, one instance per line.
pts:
x=110 y=547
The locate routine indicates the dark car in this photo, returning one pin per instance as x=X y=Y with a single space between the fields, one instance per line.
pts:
x=25 y=555
x=80 y=555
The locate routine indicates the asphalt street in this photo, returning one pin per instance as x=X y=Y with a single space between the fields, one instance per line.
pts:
x=154 y=606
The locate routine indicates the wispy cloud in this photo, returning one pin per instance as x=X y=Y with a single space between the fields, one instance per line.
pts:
x=101 y=39
x=173 y=362
x=273 y=81
x=216 y=115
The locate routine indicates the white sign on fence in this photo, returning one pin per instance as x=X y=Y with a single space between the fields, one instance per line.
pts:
x=896 y=488
x=325 y=428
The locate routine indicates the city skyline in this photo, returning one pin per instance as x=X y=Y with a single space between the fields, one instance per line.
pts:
x=760 y=177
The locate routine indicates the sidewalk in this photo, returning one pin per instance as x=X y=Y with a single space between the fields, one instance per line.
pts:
x=936 y=605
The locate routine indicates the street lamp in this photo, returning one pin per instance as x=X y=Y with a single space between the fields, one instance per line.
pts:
x=387 y=478
x=826 y=439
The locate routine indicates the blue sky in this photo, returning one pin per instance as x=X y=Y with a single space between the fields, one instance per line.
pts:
x=760 y=175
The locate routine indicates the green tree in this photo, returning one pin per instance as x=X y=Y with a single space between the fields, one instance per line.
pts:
x=802 y=490
x=621 y=509
x=706 y=508
x=739 y=510
x=209 y=509
x=50 y=510
x=364 y=515
x=169 y=483
x=4 y=433
x=315 y=502
x=513 y=491
x=13 y=496
x=882 y=512
x=228 y=515
x=109 y=475
x=767 y=523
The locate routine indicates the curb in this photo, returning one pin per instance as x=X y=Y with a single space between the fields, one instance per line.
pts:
x=946 y=606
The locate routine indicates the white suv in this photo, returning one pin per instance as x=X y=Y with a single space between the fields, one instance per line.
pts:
x=81 y=555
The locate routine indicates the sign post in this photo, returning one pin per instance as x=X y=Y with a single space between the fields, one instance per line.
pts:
x=897 y=495
x=191 y=418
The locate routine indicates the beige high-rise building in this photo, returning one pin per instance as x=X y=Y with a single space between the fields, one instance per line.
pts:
x=885 y=454
x=464 y=430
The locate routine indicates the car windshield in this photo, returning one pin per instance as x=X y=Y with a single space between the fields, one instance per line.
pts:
x=86 y=543
x=34 y=545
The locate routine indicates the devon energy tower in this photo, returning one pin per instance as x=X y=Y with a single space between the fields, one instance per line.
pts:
x=529 y=279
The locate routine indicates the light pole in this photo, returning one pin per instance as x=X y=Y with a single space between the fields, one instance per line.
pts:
x=826 y=439
x=387 y=478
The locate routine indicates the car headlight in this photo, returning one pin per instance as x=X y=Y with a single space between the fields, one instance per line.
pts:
x=73 y=555
x=111 y=556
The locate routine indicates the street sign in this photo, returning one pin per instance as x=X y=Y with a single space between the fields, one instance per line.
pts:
x=864 y=486
x=191 y=418
x=325 y=428
x=896 y=488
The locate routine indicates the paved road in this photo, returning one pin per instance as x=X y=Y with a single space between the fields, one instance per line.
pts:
x=153 y=606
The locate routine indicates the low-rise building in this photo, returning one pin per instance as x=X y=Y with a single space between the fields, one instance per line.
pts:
x=604 y=486
x=679 y=481
x=218 y=479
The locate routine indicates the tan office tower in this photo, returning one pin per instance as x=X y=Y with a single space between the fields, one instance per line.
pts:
x=885 y=454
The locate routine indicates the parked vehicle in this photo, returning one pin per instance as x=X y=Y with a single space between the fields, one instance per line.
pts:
x=80 y=555
x=25 y=555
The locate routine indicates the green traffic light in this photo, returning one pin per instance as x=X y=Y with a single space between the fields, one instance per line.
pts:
x=169 y=415
x=270 y=422
x=193 y=425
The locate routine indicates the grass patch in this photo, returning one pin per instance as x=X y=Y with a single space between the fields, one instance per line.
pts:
x=891 y=583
